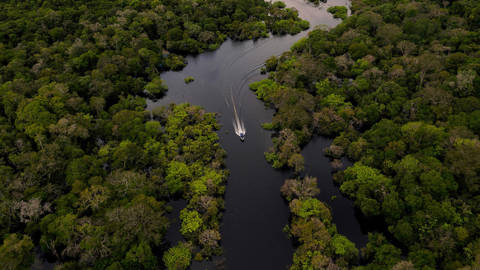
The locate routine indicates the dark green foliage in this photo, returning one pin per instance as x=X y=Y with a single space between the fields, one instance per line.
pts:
x=16 y=253
x=397 y=84
x=338 y=12
x=86 y=174
x=85 y=171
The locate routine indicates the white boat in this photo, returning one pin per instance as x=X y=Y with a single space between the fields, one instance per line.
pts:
x=238 y=124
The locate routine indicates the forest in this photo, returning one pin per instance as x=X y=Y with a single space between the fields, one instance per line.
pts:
x=396 y=86
x=86 y=172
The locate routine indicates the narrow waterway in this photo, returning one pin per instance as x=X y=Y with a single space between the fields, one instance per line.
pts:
x=255 y=212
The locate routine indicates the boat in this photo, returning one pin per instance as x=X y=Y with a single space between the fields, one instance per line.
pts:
x=237 y=123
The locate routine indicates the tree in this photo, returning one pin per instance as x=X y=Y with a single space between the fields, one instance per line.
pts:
x=178 y=257
x=127 y=155
x=420 y=136
x=344 y=247
x=367 y=186
x=93 y=197
x=381 y=254
x=209 y=239
x=156 y=88
x=31 y=210
x=141 y=256
x=338 y=12
x=191 y=222
x=16 y=253
x=465 y=83
x=426 y=63
x=295 y=188
x=310 y=207
x=177 y=174
x=406 y=47
x=464 y=160
x=143 y=219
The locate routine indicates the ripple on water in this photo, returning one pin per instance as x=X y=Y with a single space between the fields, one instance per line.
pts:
x=255 y=212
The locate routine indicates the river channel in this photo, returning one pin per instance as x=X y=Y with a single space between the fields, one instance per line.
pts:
x=255 y=213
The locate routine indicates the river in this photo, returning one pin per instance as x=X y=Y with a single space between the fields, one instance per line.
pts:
x=255 y=213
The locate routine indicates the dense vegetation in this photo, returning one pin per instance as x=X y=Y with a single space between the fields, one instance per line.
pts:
x=338 y=11
x=319 y=244
x=397 y=85
x=86 y=174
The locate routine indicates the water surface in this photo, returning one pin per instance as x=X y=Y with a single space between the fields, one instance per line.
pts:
x=255 y=214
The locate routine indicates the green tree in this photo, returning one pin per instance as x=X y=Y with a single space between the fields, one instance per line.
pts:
x=156 y=88
x=178 y=257
x=16 y=253
x=344 y=247
x=141 y=256
x=191 y=222
x=177 y=174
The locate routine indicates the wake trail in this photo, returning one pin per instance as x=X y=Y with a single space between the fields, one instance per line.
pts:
x=260 y=44
x=244 y=81
x=238 y=124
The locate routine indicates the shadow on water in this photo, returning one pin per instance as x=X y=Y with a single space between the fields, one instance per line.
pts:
x=41 y=262
x=344 y=214
x=255 y=214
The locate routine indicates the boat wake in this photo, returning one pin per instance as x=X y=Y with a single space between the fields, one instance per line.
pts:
x=238 y=125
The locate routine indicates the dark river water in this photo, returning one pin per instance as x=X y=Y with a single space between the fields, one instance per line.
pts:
x=255 y=214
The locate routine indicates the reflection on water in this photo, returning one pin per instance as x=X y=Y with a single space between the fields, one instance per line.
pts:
x=255 y=212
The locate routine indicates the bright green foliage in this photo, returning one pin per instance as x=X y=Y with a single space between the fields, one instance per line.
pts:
x=264 y=89
x=189 y=79
x=16 y=253
x=310 y=207
x=191 y=221
x=362 y=181
x=112 y=207
x=177 y=174
x=178 y=257
x=198 y=187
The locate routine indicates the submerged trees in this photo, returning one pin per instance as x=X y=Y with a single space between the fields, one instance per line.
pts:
x=399 y=91
x=86 y=173
x=320 y=246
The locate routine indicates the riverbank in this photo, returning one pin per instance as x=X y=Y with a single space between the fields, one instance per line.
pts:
x=252 y=230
